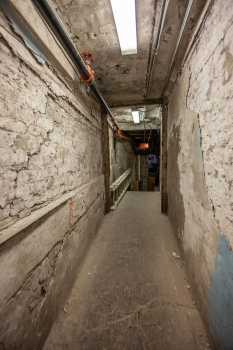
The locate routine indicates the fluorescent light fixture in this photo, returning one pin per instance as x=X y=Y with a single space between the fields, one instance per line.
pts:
x=125 y=20
x=136 y=117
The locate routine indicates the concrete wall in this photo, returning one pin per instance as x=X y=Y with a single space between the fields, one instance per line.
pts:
x=122 y=156
x=50 y=144
x=200 y=173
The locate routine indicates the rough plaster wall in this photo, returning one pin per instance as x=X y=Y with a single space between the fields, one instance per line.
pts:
x=200 y=176
x=48 y=147
x=122 y=157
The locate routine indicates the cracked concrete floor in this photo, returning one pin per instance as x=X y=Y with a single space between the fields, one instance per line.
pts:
x=131 y=292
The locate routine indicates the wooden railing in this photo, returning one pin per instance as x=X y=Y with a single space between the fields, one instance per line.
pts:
x=119 y=187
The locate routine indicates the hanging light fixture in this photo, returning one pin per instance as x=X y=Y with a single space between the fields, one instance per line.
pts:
x=136 y=117
x=143 y=146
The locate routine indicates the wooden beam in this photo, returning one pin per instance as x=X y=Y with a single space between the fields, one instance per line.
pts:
x=144 y=102
x=106 y=160
x=163 y=161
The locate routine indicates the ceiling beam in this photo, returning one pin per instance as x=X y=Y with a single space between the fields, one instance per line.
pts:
x=145 y=102
x=139 y=132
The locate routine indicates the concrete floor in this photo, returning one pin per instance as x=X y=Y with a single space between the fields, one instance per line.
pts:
x=131 y=292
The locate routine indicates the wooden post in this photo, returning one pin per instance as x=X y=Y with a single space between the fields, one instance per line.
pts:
x=163 y=161
x=106 y=160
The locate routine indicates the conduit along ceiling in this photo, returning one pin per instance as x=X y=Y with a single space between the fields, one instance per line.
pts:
x=163 y=28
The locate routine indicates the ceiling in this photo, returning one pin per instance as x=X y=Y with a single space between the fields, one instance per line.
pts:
x=125 y=80
x=151 y=118
x=148 y=130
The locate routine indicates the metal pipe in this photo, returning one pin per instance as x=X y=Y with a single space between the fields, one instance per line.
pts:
x=181 y=32
x=161 y=25
x=57 y=26
x=198 y=27
x=157 y=43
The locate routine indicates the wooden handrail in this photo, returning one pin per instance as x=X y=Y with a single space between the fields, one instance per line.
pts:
x=119 y=187
x=22 y=224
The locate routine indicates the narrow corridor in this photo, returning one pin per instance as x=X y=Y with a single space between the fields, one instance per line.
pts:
x=131 y=291
x=116 y=174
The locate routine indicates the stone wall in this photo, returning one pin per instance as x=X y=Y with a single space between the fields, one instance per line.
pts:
x=50 y=144
x=200 y=173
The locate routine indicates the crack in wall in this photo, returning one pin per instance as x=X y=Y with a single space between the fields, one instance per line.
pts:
x=220 y=42
x=25 y=64
x=188 y=89
x=43 y=138
x=50 y=141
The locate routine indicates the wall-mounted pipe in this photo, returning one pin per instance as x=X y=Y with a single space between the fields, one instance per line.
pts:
x=155 y=49
x=197 y=30
x=181 y=33
x=57 y=27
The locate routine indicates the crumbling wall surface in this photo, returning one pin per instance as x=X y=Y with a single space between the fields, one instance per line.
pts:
x=122 y=156
x=200 y=172
x=50 y=144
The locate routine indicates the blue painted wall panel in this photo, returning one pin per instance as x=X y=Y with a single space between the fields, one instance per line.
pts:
x=221 y=297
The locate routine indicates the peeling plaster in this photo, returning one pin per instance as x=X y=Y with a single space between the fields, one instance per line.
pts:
x=50 y=143
x=200 y=106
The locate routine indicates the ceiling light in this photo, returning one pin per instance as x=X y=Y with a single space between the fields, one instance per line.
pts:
x=136 y=117
x=125 y=20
